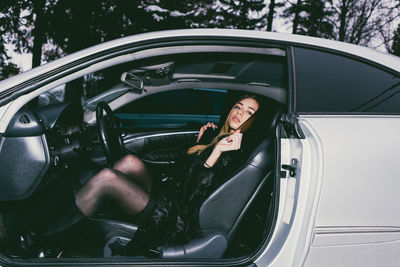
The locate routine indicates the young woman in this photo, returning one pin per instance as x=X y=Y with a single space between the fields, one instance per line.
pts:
x=169 y=214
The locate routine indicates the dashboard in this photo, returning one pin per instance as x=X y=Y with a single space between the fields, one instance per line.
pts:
x=37 y=140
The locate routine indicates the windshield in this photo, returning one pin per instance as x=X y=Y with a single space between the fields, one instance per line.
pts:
x=107 y=96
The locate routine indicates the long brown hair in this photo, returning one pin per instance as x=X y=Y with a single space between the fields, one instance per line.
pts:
x=225 y=129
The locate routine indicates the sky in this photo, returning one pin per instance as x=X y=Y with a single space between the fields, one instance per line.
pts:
x=24 y=61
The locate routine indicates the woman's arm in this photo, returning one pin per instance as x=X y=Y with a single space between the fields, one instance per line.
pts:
x=212 y=159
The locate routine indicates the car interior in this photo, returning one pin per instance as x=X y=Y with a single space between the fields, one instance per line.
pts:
x=153 y=108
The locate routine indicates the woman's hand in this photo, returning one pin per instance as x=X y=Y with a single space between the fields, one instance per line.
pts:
x=229 y=143
x=204 y=128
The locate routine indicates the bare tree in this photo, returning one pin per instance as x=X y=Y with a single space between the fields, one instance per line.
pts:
x=296 y=9
x=388 y=31
x=271 y=12
x=361 y=21
x=38 y=32
x=310 y=17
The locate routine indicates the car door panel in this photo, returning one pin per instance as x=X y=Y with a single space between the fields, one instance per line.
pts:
x=360 y=152
x=139 y=122
x=159 y=147
x=357 y=207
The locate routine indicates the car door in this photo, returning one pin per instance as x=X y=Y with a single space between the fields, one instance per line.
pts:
x=349 y=111
x=339 y=145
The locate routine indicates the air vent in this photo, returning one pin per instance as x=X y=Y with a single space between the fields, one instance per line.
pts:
x=24 y=119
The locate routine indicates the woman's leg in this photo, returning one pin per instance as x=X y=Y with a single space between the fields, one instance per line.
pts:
x=110 y=184
x=134 y=169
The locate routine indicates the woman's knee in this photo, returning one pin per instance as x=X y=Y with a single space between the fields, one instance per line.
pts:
x=131 y=162
x=91 y=195
x=104 y=177
x=135 y=170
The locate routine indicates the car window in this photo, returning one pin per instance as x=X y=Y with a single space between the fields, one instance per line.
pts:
x=186 y=101
x=103 y=85
x=326 y=82
x=173 y=109
x=53 y=96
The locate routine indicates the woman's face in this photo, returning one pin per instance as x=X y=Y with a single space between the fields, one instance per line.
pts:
x=241 y=112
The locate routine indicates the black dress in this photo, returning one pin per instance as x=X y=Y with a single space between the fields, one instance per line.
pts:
x=172 y=216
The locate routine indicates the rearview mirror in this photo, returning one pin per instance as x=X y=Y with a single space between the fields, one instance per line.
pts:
x=132 y=80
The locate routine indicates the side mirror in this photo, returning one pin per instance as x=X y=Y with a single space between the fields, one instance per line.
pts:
x=132 y=80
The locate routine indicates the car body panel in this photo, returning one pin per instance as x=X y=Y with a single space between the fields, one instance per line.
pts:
x=357 y=212
x=351 y=145
x=325 y=220
x=373 y=254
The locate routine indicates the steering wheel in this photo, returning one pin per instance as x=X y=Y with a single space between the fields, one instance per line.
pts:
x=109 y=133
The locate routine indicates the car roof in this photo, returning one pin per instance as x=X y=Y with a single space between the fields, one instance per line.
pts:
x=385 y=59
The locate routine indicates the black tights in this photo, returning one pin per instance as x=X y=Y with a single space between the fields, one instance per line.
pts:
x=128 y=184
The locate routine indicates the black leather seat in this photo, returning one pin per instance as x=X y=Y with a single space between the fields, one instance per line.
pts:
x=221 y=213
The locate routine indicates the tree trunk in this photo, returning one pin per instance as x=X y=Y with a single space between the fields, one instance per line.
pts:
x=38 y=32
x=395 y=49
x=80 y=30
x=296 y=16
x=80 y=38
x=271 y=15
x=342 y=17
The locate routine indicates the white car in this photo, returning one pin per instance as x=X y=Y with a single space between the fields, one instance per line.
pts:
x=321 y=189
